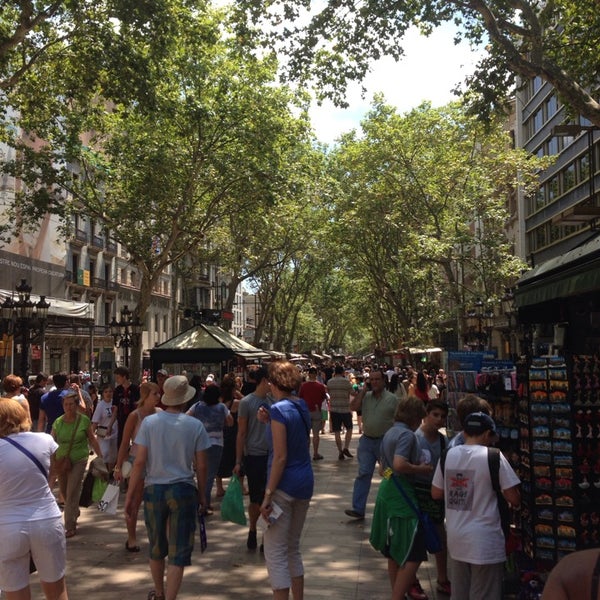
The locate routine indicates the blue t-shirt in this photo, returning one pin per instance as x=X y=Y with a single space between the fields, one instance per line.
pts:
x=172 y=440
x=297 y=479
x=213 y=418
x=51 y=404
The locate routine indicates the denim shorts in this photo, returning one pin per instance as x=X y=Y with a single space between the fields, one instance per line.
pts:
x=170 y=512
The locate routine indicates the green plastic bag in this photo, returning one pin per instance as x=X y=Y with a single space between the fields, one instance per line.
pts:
x=232 y=506
x=99 y=488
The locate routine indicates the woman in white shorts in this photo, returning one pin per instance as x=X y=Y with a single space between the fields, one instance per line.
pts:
x=29 y=515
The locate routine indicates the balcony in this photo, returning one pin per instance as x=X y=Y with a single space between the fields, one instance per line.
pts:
x=99 y=283
x=110 y=247
x=79 y=237
x=97 y=243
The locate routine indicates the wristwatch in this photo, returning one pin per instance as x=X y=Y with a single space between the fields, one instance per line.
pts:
x=268 y=492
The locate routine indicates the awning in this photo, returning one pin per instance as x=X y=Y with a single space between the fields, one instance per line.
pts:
x=573 y=273
x=58 y=306
x=210 y=338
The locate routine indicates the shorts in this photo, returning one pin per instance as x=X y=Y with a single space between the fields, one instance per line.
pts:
x=316 y=420
x=46 y=540
x=339 y=419
x=170 y=512
x=255 y=469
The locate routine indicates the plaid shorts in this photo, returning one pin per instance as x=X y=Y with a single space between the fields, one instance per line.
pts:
x=170 y=512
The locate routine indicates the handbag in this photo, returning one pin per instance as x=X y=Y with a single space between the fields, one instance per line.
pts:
x=433 y=544
x=85 y=498
x=110 y=499
x=63 y=465
x=232 y=506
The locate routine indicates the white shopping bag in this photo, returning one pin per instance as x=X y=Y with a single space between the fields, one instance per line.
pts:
x=110 y=499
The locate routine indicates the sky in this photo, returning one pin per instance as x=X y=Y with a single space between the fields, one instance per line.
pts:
x=431 y=67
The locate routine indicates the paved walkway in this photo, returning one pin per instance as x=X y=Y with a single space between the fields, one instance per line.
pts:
x=339 y=562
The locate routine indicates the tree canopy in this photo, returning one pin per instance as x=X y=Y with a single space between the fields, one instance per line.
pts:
x=556 y=40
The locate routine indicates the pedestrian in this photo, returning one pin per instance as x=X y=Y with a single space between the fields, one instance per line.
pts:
x=314 y=393
x=575 y=577
x=340 y=390
x=51 y=403
x=100 y=422
x=252 y=449
x=396 y=531
x=231 y=397
x=215 y=416
x=13 y=388
x=125 y=399
x=34 y=398
x=74 y=435
x=30 y=520
x=475 y=538
x=290 y=481
x=168 y=444
x=378 y=407
x=431 y=444
x=467 y=405
x=146 y=406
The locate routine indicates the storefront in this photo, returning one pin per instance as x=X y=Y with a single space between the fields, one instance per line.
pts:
x=559 y=408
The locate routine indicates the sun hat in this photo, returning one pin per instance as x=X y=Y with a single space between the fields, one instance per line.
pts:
x=177 y=391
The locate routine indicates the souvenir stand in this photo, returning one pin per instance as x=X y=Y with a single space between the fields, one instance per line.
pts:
x=494 y=380
x=559 y=415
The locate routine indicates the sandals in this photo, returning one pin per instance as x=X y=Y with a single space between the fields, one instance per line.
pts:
x=69 y=533
x=133 y=548
x=154 y=596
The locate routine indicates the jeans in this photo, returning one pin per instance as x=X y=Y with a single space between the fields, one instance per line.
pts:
x=368 y=455
x=213 y=456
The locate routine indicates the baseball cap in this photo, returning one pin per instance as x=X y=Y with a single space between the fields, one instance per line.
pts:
x=478 y=423
x=163 y=372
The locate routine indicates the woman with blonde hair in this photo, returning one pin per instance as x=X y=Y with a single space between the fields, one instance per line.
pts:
x=146 y=406
x=30 y=520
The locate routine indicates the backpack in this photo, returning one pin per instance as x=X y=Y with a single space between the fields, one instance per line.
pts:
x=493 y=456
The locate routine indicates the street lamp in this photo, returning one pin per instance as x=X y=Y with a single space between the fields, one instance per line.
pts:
x=479 y=325
x=22 y=318
x=126 y=331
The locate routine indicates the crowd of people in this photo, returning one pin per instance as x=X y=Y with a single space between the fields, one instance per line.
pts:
x=173 y=440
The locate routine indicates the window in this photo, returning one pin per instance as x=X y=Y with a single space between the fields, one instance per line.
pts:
x=569 y=178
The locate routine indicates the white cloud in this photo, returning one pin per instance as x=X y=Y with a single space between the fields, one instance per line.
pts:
x=431 y=67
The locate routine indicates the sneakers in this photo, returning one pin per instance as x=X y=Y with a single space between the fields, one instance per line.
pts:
x=318 y=457
x=341 y=456
x=354 y=514
x=251 y=544
x=416 y=592
x=346 y=452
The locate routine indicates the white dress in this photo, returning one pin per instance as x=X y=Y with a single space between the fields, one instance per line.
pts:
x=108 y=444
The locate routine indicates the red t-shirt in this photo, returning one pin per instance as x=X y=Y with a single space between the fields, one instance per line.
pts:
x=313 y=393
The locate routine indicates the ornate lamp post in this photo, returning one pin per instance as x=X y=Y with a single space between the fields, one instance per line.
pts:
x=479 y=325
x=22 y=318
x=125 y=331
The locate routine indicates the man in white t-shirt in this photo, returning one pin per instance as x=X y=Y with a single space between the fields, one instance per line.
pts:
x=475 y=537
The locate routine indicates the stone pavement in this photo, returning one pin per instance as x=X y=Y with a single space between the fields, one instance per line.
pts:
x=339 y=562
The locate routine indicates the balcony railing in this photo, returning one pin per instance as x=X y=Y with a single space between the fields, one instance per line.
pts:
x=97 y=242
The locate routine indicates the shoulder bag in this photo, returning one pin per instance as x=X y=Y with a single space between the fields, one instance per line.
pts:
x=63 y=465
x=432 y=539
x=38 y=464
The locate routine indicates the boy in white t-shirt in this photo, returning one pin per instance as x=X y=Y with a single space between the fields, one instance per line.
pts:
x=475 y=537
